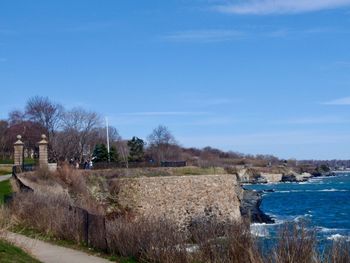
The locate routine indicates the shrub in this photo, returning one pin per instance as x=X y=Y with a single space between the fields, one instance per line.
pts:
x=49 y=214
x=147 y=240
x=224 y=242
x=296 y=244
x=338 y=252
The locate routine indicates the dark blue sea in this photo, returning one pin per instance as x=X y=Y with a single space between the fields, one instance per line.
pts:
x=322 y=202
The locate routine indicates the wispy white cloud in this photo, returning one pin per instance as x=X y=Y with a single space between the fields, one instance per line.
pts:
x=266 y=7
x=210 y=101
x=214 y=35
x=341 y=101
x=268 y=139
x=245 y=33
x=314 y=120
x=212 y=121
x=164 y=113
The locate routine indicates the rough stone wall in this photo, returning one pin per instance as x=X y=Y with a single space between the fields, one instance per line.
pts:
x=183 y=198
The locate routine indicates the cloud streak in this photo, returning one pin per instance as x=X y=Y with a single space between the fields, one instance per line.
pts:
x=164 y=113
x=214 y=35
x=339 y=102
x=245 y=33
x=314 y=120
x=268 y=7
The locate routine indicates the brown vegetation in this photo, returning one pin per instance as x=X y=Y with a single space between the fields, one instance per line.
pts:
x=150 y=240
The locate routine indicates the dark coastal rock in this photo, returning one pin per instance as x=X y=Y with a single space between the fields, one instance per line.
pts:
x=250 y=207
x=289 y=178
x=319 y=174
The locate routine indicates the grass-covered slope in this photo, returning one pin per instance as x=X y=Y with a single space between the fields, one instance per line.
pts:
x=12 y=254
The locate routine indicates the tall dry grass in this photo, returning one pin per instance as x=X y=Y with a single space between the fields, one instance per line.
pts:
x=51 y=215
x=297 y=244
x=159 y=240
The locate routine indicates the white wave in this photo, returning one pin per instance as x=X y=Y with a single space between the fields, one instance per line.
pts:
x=298 y=218
x=338 y=237
x=303 y=191
x=327 y=230
x=332 y=190
x=289 y=191
x=259 y=230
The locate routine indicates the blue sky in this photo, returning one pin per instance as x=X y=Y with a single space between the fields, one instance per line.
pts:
x=268 y=76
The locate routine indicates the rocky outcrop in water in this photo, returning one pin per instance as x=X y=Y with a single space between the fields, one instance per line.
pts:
x=250 y=207
x=254 y=176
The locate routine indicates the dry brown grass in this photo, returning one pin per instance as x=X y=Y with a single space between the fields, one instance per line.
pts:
x=154 y=240
x=230 y=242
x=76 y=184
x=147 y=240
x=5 y=220
x=296 y=244
x=49 y=214
x=339 y=252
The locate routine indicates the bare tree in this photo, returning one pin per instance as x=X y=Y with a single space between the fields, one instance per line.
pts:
x=3 y=137
x=113 y=134
x=16 y=117
x=123 y=149
x=162 y=144
x=45 y=112
x=80 y=128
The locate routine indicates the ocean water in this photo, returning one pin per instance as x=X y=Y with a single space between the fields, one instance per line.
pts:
x=323 y=203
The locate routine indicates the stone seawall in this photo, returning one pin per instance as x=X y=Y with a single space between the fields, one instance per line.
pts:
x=183 y=199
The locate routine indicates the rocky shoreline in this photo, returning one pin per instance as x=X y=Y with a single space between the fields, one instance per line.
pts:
x=251 y=200
x=250 y=207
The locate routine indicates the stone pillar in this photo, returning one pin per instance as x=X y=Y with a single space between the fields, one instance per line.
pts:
x=43 y=152
x=18 y=146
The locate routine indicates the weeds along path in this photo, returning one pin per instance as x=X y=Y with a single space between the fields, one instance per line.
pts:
x=48 y=253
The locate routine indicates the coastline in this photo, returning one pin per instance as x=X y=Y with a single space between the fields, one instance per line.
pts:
x=252 y=199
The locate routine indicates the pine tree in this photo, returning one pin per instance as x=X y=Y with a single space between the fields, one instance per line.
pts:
x=136 y=149
x=100 y=153
x=113 y=155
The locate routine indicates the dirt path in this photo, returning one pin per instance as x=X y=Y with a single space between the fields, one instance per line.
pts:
x=48 y=253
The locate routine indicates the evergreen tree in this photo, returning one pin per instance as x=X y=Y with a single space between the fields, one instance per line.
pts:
x=136 y=149
x=100 y=153
x=113 y=155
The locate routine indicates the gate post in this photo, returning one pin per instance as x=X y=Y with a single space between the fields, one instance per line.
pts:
x=18 y=154
x=43 y=155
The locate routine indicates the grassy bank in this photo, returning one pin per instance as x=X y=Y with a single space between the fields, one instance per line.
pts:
x=158 y=171
x=5 y=189
x=12 y=254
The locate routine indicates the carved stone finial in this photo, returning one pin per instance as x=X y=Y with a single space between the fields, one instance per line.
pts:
x=43 y=136
x=19 y=137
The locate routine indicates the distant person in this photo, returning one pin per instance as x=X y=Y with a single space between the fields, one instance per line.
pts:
x=77 y=165
x=90 y=164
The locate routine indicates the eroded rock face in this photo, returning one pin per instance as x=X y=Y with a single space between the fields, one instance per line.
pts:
x=183 y=199
x=250 y=207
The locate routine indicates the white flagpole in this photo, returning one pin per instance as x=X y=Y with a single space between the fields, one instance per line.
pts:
x=107 y=130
